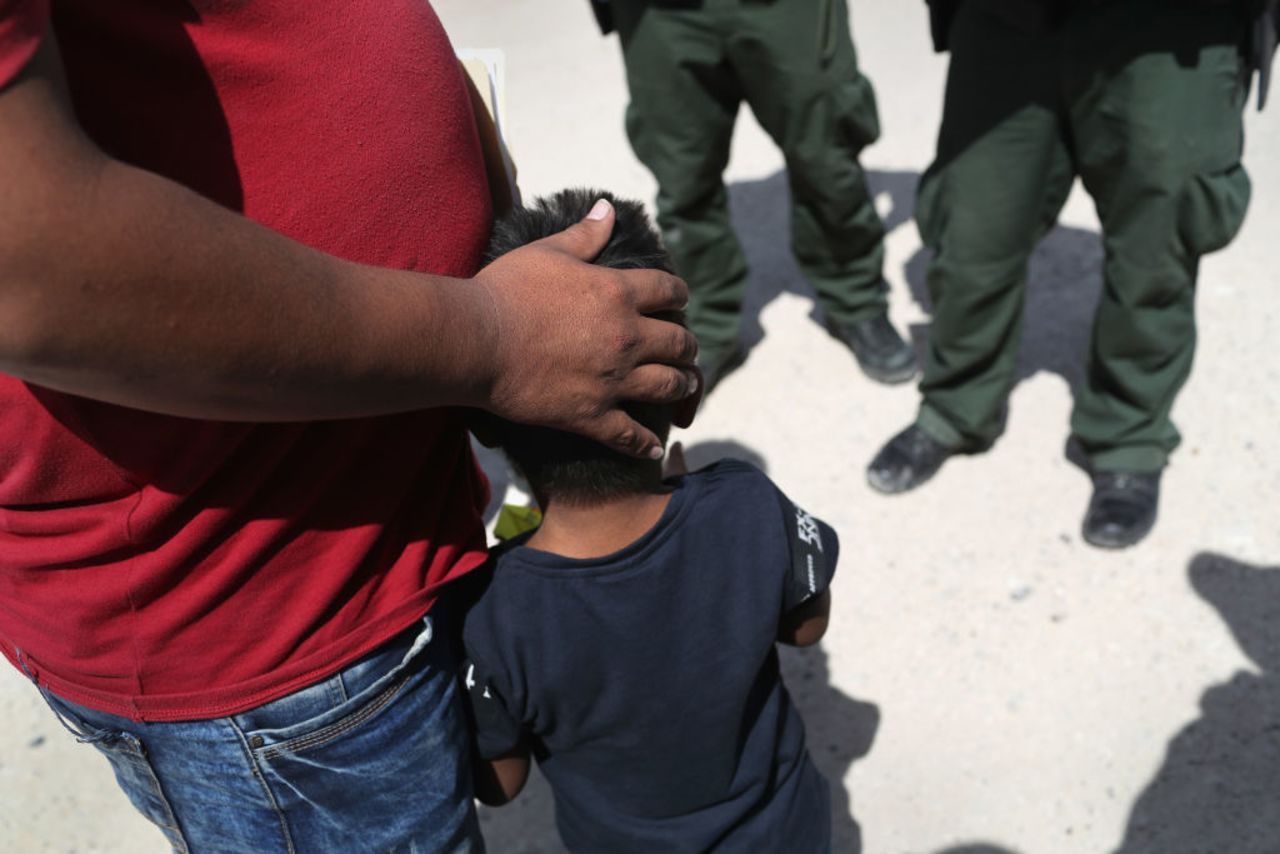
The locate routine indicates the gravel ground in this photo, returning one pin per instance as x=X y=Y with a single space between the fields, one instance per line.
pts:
x=990 y=683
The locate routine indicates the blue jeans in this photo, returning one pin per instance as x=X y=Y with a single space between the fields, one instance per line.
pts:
x=374 y=758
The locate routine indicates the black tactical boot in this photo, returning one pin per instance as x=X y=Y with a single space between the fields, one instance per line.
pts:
x=879 y=349
x=908 y=460
x=1123 y=508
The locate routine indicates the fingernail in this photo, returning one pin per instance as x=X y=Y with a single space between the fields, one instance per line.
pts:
x=600 y=210
x=655 y=453
x=693 y=382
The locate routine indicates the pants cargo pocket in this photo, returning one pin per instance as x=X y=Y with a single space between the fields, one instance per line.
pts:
x=857 y=117
x=1212 y=208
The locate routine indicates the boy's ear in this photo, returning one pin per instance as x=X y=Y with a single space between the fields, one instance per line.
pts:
x=483 y=427
x=682 y=417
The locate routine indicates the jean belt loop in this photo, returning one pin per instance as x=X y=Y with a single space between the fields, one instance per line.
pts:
x=70 y=726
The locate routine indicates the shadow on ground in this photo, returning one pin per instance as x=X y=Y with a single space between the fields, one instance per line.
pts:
x=1218 y=789
x=839 y=730
x=524 y=826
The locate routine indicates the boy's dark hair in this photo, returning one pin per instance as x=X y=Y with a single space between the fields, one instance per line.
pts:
x=561 y=465
x=634 y=244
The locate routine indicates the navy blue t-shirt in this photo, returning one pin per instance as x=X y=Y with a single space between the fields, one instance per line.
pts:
x=646 y=682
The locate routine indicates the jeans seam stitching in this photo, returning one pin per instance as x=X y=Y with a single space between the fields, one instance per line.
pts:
x=140 y=751
x=327 y=734
x=266 y=788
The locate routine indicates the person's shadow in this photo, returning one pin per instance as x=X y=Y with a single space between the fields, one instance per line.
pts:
x=839 y=730
x=1218 y=789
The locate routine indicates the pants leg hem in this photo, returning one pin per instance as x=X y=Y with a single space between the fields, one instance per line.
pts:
x=1132 y=459
x=939 y=428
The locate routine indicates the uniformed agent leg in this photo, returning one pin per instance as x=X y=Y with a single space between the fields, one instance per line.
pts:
x=799 y=73
x=1157 y=117
x=1002 y=173
x=1159 y=135
x=684 y=100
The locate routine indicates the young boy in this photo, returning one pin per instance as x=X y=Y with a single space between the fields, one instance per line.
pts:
x=628 y=642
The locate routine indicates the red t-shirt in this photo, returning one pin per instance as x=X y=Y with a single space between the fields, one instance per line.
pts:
x=166 y=568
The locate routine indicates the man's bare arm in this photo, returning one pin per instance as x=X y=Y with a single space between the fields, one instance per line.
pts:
x=123 y=286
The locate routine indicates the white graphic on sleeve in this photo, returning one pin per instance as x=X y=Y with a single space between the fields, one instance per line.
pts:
x=471 y=682
x=813 y=578
x=807 y=529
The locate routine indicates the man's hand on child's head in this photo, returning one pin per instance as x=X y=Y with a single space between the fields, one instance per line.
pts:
x=571 y=340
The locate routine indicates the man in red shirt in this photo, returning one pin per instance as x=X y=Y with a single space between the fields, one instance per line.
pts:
x=238 y=287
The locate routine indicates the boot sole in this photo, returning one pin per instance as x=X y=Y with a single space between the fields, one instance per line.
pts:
x=895 y=377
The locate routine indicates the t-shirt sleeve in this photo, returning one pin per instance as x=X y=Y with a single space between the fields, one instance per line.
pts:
x=22 y=26
x=498 y=731
x=813 y=549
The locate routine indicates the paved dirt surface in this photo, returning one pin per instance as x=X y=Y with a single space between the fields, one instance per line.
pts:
x=990 y=683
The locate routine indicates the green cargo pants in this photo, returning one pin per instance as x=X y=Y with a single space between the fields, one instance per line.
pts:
x=689 y=66
x=1143 y=100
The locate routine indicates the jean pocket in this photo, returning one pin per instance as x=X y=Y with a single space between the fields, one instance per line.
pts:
x=314 y=716
x=317 y=733
x=395 y=752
